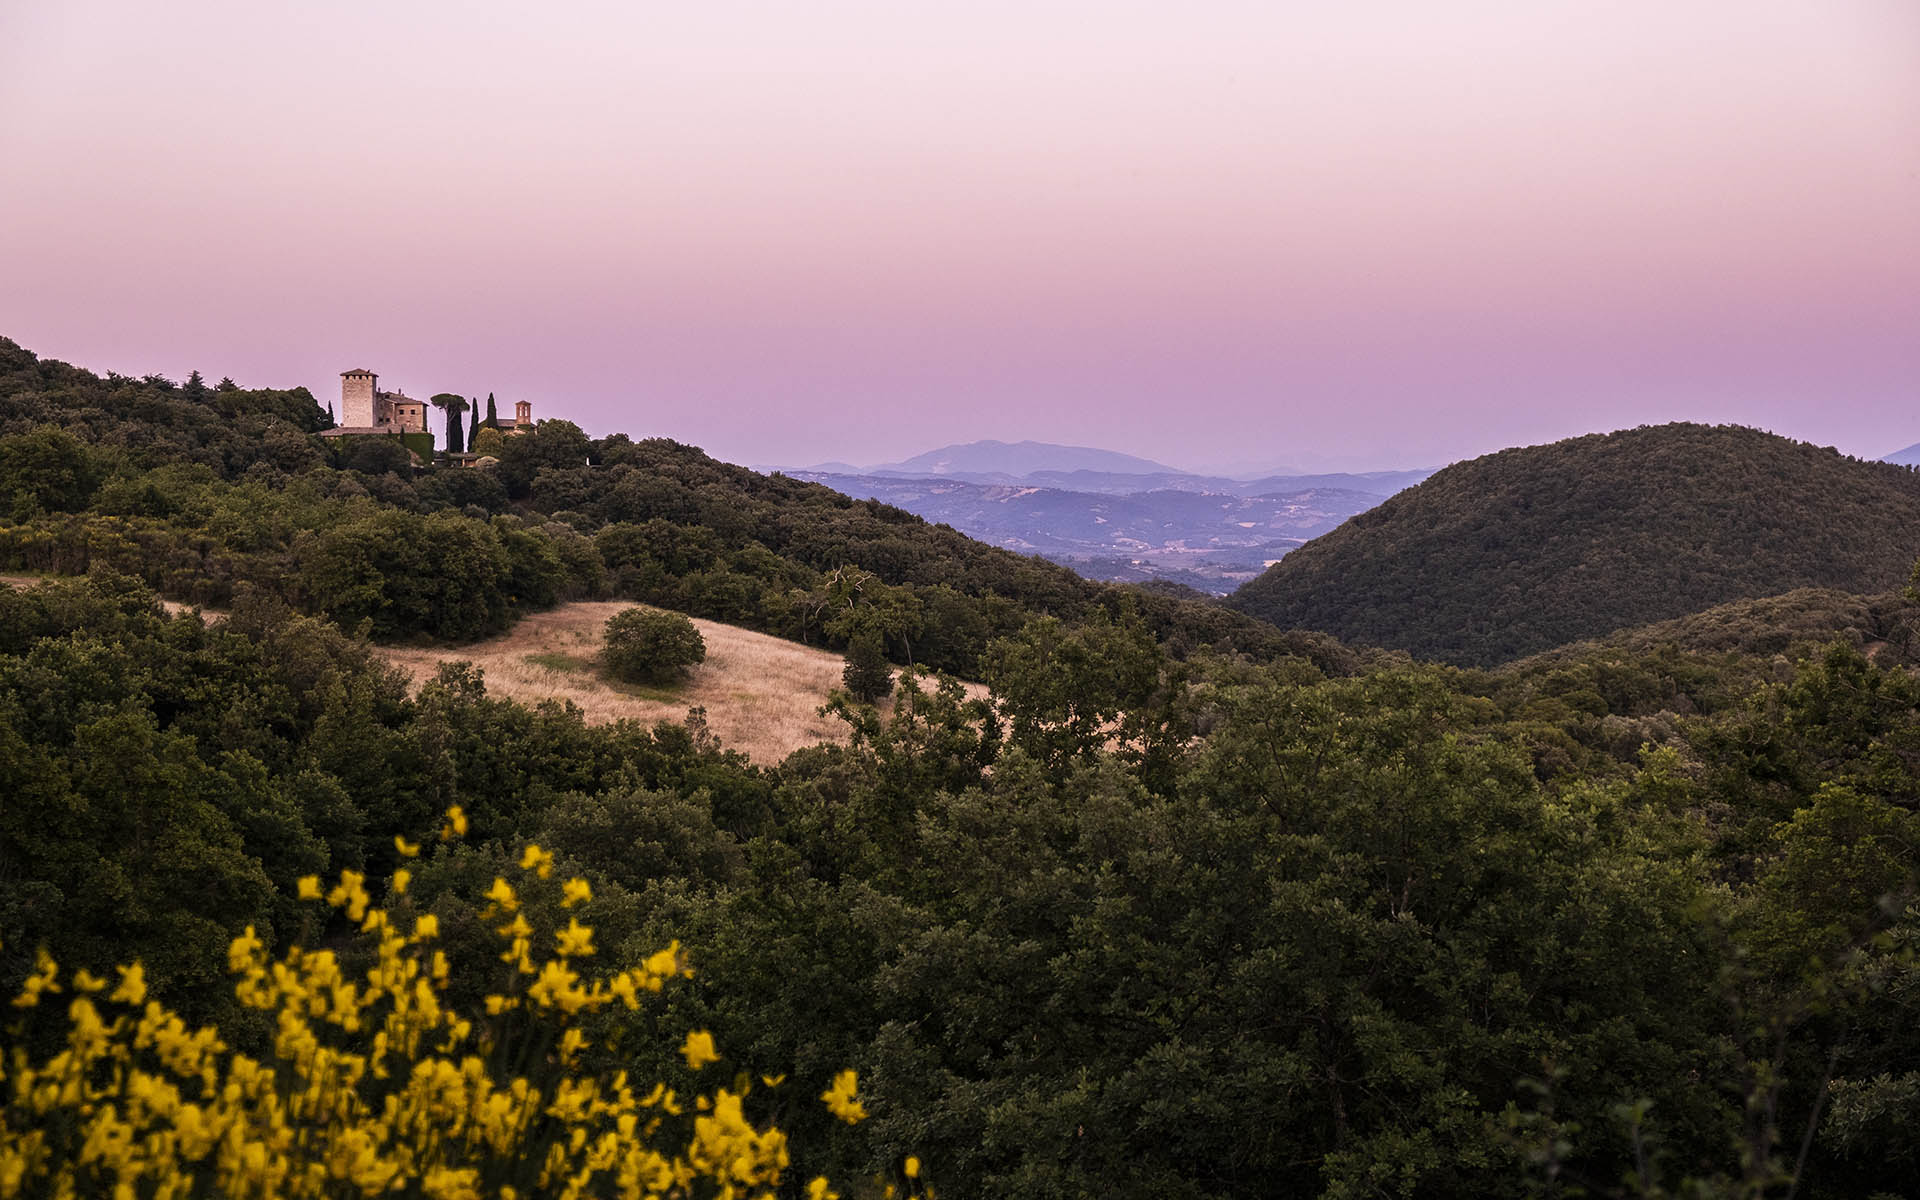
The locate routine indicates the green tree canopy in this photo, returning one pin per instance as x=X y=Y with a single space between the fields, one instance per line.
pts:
x=648 y=646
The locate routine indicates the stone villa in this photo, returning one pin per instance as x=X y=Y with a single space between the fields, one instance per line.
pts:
x=366 y=410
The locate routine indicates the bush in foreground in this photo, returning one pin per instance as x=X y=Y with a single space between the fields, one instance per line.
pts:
x=374 y=1086
x=646 y=645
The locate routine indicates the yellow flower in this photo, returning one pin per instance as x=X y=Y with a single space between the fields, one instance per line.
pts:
x=407 y=849
x=534 y=859
x=577 y=891
x=557 y=987
x=401 y=878
x=310 y=887
x=664 y=964
x=501 y=893
x=456 y=825
x=133 y=985
x=913 y=1167
x=699 y=1050
x=576 y=940
x=363 y=1081
x=818 y=1189
x=43 y=979
x=242 y=951
x=773 y=1081
x=841 y=1101
x=351 y=894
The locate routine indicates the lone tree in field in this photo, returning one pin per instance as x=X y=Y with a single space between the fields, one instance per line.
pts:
x=648 y=646
x=868 y=677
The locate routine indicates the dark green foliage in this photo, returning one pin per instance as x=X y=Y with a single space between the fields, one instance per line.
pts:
x=554 y=446
x=442 y=575
x=375 y=455
x=1527 y=549
x=868 y=676
x=1067 y=693
x=142 y=422
x=493 y=414
x=1141 y=928
x=461 y=489
x=45 y=469
x=452 y=406
x=648 y=646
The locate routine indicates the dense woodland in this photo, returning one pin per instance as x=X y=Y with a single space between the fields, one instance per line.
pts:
x=1192 y=908
x=1531 y=548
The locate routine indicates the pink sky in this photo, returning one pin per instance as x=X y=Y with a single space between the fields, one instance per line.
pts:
x=1226 y=235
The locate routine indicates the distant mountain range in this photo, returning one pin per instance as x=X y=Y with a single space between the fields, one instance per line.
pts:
x=1114 y=516
x=1910 y=457
x=1087 y=469
x=1020 y=459
x=1520 y=551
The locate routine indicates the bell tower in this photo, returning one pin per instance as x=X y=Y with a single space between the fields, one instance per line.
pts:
x=523 y=414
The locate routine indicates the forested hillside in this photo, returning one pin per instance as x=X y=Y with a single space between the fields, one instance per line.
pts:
x=1151 y=920
x=201 y=491
x=1531 y=548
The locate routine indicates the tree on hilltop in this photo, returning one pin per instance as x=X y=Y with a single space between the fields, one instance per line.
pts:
x=452 y=405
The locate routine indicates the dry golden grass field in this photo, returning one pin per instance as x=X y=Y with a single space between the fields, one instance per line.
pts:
x=762 y=694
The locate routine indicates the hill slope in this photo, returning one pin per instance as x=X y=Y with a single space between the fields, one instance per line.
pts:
x=1527 y=549
x=198 y=491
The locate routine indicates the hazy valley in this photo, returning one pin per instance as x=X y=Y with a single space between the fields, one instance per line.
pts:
x=1114 y=517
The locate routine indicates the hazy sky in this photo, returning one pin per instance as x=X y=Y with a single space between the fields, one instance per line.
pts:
x=1224 y=235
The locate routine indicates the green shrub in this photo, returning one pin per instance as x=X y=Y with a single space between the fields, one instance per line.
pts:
x=648 y=646
x=868 y=676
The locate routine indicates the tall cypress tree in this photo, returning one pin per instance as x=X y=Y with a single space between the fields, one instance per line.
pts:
x=493 y=414
x=473 y=423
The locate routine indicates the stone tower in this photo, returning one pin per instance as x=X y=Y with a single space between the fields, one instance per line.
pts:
x=523 y=415
x=357 y=390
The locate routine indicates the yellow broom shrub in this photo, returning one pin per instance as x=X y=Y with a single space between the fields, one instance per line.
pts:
x=375 y=1087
